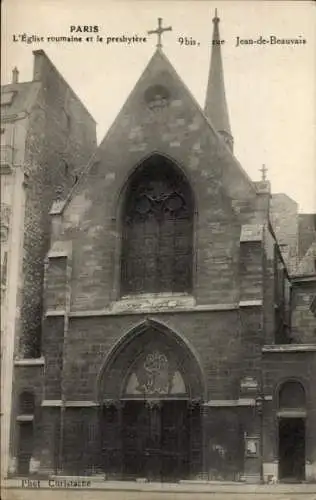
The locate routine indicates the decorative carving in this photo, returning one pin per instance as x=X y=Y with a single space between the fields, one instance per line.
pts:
x=156 y=378
x=170 y=203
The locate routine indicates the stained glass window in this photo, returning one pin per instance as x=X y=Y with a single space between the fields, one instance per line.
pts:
x=157 y=230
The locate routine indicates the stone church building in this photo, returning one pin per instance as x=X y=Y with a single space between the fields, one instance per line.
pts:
x=179 y=330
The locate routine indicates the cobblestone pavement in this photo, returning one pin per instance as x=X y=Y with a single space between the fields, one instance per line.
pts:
x=18 y=494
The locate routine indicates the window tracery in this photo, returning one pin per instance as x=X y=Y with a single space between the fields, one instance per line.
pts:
x=157 y=230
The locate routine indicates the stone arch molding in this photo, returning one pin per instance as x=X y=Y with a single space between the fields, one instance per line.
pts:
x=291 y=394
x=151 y=361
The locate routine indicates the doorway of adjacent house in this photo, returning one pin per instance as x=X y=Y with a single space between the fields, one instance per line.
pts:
x=25 y=447
x=292 y=449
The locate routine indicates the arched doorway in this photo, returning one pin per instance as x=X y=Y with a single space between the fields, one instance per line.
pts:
x=150 y=392
x=291 y=427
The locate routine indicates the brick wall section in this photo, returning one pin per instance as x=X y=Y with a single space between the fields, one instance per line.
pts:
x=269 y=287
x=47 y=440
x=60 y=140
x=81 y=454
x=53 y=336
x=303 y=319
x=251 y=272
x=55 y=291
x=225 y=444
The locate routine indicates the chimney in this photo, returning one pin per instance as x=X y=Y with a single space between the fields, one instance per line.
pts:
x=15 y=75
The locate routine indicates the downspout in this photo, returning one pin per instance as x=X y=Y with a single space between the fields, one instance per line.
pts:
x=62 y=385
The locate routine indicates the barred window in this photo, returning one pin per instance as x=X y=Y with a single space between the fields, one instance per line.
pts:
x=157 y=230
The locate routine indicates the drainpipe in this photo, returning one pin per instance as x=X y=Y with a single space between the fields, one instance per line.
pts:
x=63 y=394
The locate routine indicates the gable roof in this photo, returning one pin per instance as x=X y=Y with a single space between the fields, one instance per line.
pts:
x=158 y=59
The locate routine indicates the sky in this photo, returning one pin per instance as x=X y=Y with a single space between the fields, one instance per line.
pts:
x=270 y=89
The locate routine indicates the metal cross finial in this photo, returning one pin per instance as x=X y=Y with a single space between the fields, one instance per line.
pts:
x=216 y=18
x=159 y=32
x=263 y=171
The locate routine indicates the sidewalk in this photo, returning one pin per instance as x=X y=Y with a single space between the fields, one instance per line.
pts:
x=86 y=483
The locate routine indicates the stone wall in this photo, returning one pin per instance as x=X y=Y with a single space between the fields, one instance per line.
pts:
x=303 y=319
x=60 y=139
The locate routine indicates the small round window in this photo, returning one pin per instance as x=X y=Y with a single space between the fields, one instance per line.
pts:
x=157 y=96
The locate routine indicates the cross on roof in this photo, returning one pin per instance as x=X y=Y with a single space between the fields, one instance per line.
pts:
x=159 y=32
x=263 y=171
x=216 y=18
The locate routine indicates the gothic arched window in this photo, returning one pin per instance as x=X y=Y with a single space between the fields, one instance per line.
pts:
x=157 y=230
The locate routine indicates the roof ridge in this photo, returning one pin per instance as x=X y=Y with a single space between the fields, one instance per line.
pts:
x=91 y=161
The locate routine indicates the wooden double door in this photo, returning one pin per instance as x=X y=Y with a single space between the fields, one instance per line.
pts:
x=156 y=440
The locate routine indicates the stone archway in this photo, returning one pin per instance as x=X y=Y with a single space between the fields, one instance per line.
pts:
x=150 y=393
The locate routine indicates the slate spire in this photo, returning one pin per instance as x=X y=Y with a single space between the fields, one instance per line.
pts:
x=215 y=103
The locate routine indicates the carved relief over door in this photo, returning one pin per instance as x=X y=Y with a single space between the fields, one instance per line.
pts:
x=155 y=376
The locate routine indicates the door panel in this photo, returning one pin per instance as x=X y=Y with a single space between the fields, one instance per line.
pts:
x=175 y=439
x=156 y=440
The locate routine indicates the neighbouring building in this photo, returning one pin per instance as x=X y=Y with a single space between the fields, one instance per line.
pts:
x=179 y=329
x=47 y=136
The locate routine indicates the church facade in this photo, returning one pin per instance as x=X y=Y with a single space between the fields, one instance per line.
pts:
x=179 y=330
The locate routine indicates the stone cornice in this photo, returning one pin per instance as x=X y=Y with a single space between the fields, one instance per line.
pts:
x=289 y=348
x=68 y=404
x=30 y=362
x=120 y=308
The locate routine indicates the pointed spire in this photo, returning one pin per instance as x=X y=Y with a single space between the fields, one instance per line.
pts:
x=215 y=103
